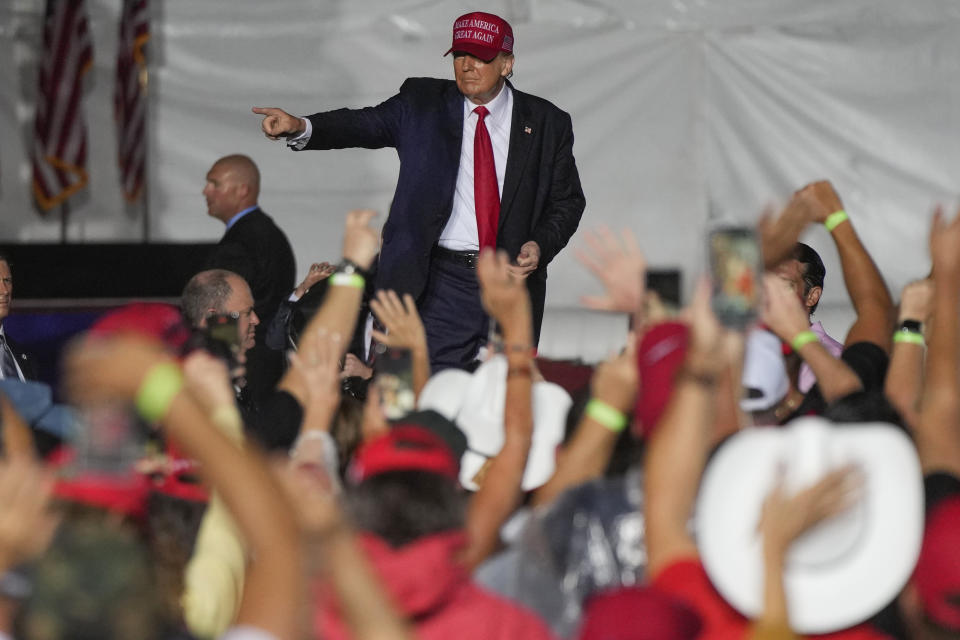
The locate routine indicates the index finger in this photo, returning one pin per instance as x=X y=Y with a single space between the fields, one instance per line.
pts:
x=266 y=111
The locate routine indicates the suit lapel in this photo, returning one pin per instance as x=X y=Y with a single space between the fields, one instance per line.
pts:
x=521 y=140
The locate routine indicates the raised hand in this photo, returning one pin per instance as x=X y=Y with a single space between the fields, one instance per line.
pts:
x=404 y=327
x=361 y=242
x=98 y=368
x=786 y=517
x=782 y=311
x=318 y=271
x=318 y=363
x=504 y=296
x=277 y=123
x=619 y=264
x=945 y=243
x=822 y=199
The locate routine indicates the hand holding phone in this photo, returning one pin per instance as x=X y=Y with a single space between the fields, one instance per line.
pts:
x=735 y=269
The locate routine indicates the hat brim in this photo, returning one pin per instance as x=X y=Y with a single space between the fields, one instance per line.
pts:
x=486 y=54
x=831 y=595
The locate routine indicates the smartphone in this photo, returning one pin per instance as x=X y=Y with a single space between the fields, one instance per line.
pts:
x=736 y=267
x=221 y=337
x=393 y=376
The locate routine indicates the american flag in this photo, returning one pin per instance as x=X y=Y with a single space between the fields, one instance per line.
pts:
x=130 y=96
x=60 y=134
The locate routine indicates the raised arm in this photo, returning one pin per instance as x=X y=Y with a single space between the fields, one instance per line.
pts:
x=865 y=286
x=338 y=314
x=404 y=330
x=904 y=382
x=612 y=393
x=785 y=316
x=139 y=371
x=937 y=432
x=784 y=519
x=677 y=450
x=506 y=299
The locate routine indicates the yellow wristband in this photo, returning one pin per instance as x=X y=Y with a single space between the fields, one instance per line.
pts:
x=610 y=417
x=803 y=338
x=910 y=337
x=354 y=280
x=161 y=384
x=835 y=219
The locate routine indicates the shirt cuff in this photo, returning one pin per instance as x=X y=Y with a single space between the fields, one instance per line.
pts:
x=298 y=143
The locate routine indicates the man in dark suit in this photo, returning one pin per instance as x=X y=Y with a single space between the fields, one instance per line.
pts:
x=15 y=364
x=256 y=249
x=454 y=138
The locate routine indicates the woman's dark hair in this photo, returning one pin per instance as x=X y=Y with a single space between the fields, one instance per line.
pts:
x=403 y=506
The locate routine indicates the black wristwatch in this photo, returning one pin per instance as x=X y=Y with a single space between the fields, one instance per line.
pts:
x=911 y=326
x=349 y=267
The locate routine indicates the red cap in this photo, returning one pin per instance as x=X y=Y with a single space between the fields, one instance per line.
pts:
x=659 y=357
x=937 y=576
x=154 y=319
x=482 y=35
x=638 y=613
x=404 y=448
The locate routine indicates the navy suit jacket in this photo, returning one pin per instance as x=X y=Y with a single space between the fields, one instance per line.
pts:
x=542 y=199
x=258 y=250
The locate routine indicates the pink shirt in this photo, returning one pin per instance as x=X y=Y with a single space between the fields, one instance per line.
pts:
x=835 y=348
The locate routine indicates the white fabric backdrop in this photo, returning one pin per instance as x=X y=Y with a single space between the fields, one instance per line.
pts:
x=680 y=108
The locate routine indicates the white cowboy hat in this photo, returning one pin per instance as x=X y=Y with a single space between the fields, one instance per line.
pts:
x=475 y=402
x=846 y=568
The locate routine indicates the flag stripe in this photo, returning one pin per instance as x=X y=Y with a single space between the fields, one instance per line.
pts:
x=60 y=134
x=130 y=96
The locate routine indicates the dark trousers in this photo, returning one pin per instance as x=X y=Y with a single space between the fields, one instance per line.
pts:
x=453 y=317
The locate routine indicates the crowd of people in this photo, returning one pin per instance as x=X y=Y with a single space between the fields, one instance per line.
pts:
x=405 y=471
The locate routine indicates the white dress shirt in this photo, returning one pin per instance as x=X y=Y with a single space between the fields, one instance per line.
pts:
x=461 y=234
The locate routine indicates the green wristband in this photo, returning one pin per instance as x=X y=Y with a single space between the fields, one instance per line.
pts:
x=835 y=219
x=608 y=416
x=161 y=384
x=354 y=280
x=910 y=337
x=803 y=338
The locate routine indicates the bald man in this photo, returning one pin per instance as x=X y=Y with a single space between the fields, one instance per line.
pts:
x=254 y=247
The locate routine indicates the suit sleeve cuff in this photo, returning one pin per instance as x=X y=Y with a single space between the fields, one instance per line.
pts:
x=299 y=142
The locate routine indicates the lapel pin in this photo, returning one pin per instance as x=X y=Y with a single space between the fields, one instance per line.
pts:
x=527 y=130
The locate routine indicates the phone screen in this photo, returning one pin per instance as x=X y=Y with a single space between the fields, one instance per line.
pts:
x=393 y=376
x=735 y=268
x=222 y=337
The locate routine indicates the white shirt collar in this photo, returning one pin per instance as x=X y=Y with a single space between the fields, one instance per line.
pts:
x=499 y=107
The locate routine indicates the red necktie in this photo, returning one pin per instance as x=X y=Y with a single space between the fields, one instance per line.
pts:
x=486 y=194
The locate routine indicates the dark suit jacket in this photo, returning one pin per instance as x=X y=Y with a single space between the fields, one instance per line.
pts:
x=542 y=199
x=24 y=359
x=258 y=250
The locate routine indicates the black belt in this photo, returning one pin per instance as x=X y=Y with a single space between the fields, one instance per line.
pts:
x=463 y=258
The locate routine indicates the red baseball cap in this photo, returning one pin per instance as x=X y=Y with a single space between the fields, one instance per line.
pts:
x=482 y=35
x=937 y=575
x=660 y=355
x=406 y=447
